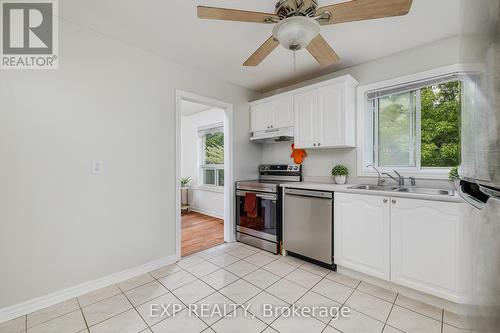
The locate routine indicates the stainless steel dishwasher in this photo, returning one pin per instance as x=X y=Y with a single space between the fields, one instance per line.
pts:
x=308 y=225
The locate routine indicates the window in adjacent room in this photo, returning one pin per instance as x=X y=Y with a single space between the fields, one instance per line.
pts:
x=415 y=126
x=212 y=155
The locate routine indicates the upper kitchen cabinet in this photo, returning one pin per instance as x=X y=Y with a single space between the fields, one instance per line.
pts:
x=272 y=114
x=305 y=105
x=325 y=115
x=317 y=116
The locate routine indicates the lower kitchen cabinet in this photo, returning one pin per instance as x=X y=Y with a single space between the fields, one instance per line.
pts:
x=361 y=233
x=415 y=243
x=427 y=246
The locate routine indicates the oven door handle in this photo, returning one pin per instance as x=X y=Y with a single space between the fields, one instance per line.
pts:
x=259 y=195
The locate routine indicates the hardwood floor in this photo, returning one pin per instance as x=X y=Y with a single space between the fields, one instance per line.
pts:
x=200 y=232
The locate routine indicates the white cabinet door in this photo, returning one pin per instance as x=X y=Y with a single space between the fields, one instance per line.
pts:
x=260 y=117
x=362 y=234
x=305 y=109
x=426 y=240
x=274 y=113
x=282 y=110
x=331 y=116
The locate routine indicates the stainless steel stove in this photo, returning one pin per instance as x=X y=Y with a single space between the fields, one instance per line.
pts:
x=259 y=204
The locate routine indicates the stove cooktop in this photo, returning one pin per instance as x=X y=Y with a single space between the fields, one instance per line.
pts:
x=270 y=176
x=259 y=185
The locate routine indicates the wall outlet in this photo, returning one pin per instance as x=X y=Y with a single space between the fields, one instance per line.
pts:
x=97 y=167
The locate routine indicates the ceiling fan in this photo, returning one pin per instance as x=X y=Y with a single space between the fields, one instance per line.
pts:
x=298 y=23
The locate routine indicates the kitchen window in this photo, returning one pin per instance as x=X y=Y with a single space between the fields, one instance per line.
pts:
x=414 y=127
x=212 y=155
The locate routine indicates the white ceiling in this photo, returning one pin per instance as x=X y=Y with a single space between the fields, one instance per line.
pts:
x=170 y=28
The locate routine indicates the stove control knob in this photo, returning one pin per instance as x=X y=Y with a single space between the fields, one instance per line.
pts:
x=296 y=167
x=290 y=167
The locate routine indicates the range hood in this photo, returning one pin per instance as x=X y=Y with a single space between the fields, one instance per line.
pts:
x=273 y=135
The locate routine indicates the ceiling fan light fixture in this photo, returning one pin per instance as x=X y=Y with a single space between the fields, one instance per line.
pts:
x=295 y=33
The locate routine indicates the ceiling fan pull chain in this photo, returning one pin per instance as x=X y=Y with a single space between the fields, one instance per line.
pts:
x=295 y=61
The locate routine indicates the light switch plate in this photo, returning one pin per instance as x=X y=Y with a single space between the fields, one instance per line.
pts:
x=97 y=167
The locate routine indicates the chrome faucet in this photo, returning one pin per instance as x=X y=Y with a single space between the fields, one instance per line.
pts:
x=399 y=179
x=380 y=181
x=412 y=181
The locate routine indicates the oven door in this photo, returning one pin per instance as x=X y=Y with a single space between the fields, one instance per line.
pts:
x=264 y=222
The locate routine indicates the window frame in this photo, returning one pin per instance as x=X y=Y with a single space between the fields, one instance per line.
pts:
x=366 y=132
x=415 y=127
x=202 y=132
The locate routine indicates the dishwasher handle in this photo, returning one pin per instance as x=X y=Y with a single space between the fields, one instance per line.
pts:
x=309 y=193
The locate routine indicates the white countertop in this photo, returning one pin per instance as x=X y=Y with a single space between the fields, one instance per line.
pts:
x=345 y=189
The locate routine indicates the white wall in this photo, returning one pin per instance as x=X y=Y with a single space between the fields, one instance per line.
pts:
x=201 y=199
x=320 y=162
x=59 y=224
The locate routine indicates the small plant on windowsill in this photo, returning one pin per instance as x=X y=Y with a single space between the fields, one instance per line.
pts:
x=454 y=176
x=340 y=173
x=185 y=181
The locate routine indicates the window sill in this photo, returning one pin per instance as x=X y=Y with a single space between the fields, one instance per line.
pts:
x=210 y=188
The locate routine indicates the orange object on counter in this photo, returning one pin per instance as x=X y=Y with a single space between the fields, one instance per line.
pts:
x=298 y=155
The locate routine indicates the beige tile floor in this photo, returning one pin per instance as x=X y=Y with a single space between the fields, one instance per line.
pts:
x=237 y=273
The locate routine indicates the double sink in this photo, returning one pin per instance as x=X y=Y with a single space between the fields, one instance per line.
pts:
x=404 y=189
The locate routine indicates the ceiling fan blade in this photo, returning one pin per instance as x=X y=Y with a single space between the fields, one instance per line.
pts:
x=322 y=51
x=214 y=13
x=358 y=10
x=262 y=52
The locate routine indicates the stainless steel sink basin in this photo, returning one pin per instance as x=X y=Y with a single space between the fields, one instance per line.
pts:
x=421 y=190
x=416 y=190
x=374 y=187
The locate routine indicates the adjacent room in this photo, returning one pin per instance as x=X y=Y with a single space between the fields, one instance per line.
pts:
x=267 y=166
x=202 y=182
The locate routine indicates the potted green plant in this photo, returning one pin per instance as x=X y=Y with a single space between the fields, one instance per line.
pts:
x=453 y=176
x=185 y=194
x=340 y=173
x=185 y=181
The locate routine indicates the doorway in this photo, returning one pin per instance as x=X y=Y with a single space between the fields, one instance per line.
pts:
x=203 y=173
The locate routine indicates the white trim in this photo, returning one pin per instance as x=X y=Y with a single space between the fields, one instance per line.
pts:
x=428 y=173
x=39 y=303
x=205 y=212
x=440 y=300
x=209 y=188
x=229 y=234
x=211 y=126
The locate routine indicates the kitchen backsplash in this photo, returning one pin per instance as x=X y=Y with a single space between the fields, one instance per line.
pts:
x=319 y=163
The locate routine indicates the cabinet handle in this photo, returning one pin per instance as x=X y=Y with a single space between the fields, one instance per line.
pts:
x=393 y=201
x=385 y=200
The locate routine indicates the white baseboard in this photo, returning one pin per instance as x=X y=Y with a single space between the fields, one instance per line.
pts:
x=205 y=212
x=39 y=303
x=406 y=291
